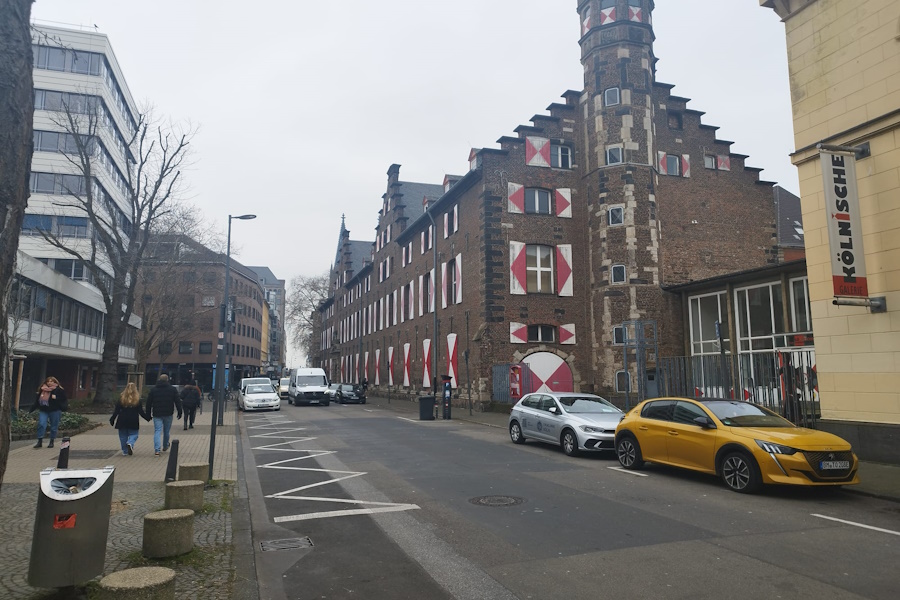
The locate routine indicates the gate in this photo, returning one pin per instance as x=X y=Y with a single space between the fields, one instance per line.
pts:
x=782 y=381
x=501 y=383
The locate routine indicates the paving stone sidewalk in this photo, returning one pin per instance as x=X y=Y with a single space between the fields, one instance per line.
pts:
x=139 y=488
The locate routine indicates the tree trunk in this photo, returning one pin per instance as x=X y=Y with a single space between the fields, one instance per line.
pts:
x=16 y=120
x=107 y=381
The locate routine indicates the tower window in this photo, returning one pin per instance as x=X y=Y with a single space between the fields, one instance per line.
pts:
x=709 y=161
x=611 y=97
x=614 y=155
x=537 y=201
x=673 y=164
x=560 y=157
x=541 y=333
x=617 y=274
x=618 y=335
x=616 y=215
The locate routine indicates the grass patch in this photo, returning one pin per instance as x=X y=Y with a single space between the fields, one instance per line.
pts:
x=25 y=423
x=198 y=558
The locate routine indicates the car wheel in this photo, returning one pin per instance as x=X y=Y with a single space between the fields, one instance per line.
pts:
x=569 y=442
x=326 y=403
x=515 y=433
x=740 y=473
x=363 y=401
x=629 y=452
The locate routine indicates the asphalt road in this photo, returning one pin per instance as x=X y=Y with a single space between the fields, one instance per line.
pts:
x=389 y=507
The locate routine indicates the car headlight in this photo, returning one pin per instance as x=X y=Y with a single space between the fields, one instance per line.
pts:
x=773 y=448
x=590 y=429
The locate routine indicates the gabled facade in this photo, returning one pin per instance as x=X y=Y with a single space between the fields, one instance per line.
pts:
x=520 y=274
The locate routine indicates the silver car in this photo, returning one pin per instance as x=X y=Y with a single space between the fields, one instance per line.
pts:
x=572 y=420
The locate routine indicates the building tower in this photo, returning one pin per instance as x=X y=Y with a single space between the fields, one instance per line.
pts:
x=618 y=176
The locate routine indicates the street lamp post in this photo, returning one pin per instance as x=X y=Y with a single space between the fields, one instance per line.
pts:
x=218 y=416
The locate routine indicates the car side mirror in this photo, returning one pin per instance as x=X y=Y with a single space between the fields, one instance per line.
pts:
x=705 y=422
x=553 y=409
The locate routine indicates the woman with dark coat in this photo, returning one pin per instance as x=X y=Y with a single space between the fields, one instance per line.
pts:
x=125 y=418
x=51 y=401
x=191 y=398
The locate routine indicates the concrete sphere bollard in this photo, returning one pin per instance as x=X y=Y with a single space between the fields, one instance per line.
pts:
x=193 y=471
x=185 y=494
x=168 y=533
x=142 y=583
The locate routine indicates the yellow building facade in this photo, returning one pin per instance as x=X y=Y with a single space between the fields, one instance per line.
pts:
x=844 y=64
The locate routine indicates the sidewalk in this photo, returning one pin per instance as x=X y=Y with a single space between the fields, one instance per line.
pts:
x=139 y=488
x=876 y=479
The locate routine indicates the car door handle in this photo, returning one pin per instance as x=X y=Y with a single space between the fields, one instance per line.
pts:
x=643 y=428
x=673 y=433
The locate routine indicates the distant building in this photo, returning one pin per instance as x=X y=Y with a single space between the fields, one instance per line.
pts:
x=535 y=269
x=59 y=320
x=276 y=297
x=844 y=64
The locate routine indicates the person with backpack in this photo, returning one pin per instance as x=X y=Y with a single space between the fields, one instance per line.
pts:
x=191 y=398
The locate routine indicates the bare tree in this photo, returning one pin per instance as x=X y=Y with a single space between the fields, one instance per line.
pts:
x=16 y=117
x=306 y=294
x=151 y=184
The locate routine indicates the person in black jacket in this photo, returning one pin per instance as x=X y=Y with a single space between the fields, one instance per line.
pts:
x=126 y=419
x=190 y=400
x=162 y=402
x=51 y=400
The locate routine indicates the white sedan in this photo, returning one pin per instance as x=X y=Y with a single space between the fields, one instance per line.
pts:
x=259 y=396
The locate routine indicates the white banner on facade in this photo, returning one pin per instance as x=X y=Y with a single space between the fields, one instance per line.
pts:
x=848 y=261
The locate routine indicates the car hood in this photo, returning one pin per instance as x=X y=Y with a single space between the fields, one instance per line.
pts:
x=261 y=397
x=604 y=420
x=795 y=437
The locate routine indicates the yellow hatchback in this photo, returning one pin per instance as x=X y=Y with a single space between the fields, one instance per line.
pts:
x=743 y=443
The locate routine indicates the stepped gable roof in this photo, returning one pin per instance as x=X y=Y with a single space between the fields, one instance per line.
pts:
x=413 y=194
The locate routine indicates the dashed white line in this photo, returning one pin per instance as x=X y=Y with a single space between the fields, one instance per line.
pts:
x=345 y=513
x=621 y=470
x=856 y=524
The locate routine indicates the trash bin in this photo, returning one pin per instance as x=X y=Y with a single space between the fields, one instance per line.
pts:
x=70 y=526
x=426 y=408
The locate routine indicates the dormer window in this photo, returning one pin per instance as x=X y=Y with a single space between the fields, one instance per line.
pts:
x=611 y=97
x=560 y=156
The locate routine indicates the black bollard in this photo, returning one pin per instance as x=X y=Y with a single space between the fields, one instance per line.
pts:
x=63 y=461
x=172 y=467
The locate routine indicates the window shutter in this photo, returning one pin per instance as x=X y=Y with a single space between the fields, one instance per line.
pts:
x=564 y=270
x=537 y=152
x=405 y=365
x=403 y=299
x=421 y=295
x=723 y=163
x=517 y=272
x=607 y=15
x=422 y=237
x=410 y=310
x=426 y=363
x=403 y=256
x=586 y=22
x=459 y=279
x=452 y=360
x=390 y=365
x=455 y=218
x=567 y=334
x=377 y=366
x=431 y=288
x=446 y=225
x=685 y=165
x=518 y=333
x=661 y=163
x=366 y=366
x=564 y=203
x=516 y=198
x=443 y=285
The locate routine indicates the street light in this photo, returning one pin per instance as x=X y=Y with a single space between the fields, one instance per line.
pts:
x=218 y=416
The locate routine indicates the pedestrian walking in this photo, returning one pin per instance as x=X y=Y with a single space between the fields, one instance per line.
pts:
x=52 y=402
x=126 y=418
x=162 y=402
x=191 y=398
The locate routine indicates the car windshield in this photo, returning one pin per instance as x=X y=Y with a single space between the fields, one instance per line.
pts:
x=745 y=414
x=286 y=381
x=259 y=389
x=347 y=388
x=311 y=380
x=587 y=404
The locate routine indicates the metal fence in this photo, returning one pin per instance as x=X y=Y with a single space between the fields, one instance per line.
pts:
x=782 y=381
x=501 y=383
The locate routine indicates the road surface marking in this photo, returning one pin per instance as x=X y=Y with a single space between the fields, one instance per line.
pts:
x=621 y=470
x=856 y=524
x=345 y=513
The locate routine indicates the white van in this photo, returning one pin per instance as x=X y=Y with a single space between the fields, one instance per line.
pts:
x=308 y=387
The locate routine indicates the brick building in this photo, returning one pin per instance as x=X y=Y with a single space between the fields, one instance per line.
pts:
x=541 y=255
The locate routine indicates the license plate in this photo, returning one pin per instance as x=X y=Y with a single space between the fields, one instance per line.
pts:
x=313 y=401
x=827 y=465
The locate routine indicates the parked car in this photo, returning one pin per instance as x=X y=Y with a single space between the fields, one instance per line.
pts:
x=258 y=396
x=257 y=380
x=577 y=422
x=348 y=392
x=308 y=386
x=332 y=389
x=284 y=385
x=745 y=444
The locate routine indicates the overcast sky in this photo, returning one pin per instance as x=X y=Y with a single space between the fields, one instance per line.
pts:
x=304 y=104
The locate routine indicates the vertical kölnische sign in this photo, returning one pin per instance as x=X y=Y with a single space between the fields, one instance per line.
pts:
x=848 y=261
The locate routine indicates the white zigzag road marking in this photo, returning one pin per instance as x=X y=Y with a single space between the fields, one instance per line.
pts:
x=278 y=431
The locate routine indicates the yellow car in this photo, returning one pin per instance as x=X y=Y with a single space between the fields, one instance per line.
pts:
x=743 y=443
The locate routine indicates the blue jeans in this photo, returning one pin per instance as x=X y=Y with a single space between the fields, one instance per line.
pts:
x=161 y=427
x=127 y=436
x=53 y=417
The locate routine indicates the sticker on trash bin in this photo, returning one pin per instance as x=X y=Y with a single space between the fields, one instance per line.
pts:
x=64 y=521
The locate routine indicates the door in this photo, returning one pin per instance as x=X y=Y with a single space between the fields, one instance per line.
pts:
x=688 y=444
x=549 y=424
x=528 y=414
x=656 y=418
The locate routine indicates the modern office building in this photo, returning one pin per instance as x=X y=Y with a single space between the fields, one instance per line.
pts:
x=276 y=298
x=58 y=325
x=844 y=65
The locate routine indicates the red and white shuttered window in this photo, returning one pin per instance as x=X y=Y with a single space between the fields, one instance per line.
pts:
x=532 y=269
x=586 y=21
x=723 y=163
x=567 y=334
x=537 y=152
x=426 y=238
x=426 y=363
x=563 y=199
x=635 y=11
x=678 y=165
x=451 y=282
x=522 y=200
x=390 y=365
x=394 y=303
x=452 y=360
x=405 y=365
x=607 y=12
x=451 y=221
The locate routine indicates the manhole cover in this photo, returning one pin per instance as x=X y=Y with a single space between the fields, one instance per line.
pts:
x=497 y=501
x=91 y=454
x=288 y=544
